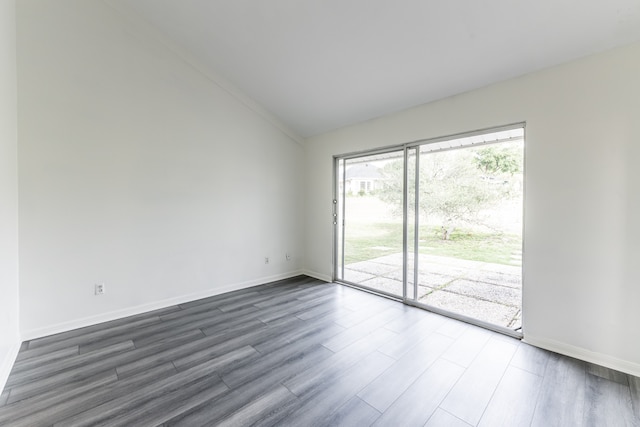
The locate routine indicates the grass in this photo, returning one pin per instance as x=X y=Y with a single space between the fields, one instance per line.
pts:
x=368 y=241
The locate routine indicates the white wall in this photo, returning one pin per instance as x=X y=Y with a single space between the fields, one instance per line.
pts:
x=138 y=171
x=9 y=337
x=582 y=207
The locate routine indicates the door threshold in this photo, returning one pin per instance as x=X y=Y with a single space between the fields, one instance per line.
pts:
x=517 y=333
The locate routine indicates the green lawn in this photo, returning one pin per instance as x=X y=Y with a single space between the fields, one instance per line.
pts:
x=367 y=241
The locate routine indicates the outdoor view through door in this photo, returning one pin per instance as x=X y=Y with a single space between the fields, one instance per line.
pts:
x=455 y=202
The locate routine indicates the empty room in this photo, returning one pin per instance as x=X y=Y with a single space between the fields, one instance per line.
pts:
x=319 y=213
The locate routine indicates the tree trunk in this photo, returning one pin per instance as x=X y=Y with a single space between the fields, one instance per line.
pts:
x=446 y=232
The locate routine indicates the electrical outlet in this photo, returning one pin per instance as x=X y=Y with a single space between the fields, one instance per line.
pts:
x=99 y=289
x=266 y=260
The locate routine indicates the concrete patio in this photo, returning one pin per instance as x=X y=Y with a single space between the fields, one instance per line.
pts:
x=489 y=292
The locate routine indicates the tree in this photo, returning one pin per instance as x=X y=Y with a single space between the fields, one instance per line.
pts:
x=498 y=160
x=455 y=186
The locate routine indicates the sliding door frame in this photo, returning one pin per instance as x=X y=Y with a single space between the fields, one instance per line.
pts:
x=339 y=221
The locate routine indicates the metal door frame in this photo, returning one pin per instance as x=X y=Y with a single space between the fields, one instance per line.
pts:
x=339 y=223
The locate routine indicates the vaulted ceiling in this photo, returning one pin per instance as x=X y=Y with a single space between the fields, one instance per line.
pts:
x=322 y=64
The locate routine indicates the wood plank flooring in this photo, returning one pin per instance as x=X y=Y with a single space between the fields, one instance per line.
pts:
x=300 y=352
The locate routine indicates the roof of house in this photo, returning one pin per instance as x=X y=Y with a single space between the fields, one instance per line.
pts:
x=363 y=170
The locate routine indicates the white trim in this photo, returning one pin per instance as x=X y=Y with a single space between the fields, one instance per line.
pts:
x=606 y=360
x=6 y=363
x=144 y=308
x=319 y=276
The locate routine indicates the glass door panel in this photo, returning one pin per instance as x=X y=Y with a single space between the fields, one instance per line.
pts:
x=470 y=234
x=371 y=191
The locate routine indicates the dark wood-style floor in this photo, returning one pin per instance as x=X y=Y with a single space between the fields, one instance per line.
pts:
x=301 y=352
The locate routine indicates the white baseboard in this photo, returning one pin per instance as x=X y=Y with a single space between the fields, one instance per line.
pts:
x=7 y=359
x=144 y=308
x=319 y=276
x=601 y=359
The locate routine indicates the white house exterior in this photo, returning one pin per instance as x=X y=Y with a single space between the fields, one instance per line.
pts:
x=363 y=178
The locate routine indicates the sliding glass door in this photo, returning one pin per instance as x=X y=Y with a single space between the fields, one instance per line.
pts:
x=370 y=229
x=437 y=224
